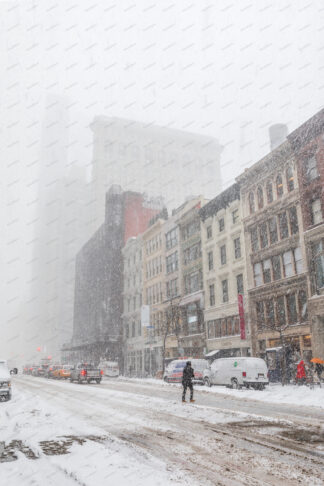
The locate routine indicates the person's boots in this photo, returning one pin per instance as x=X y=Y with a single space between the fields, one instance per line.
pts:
x=191 y=400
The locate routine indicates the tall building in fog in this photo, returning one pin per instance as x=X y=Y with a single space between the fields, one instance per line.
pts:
x=152 y=159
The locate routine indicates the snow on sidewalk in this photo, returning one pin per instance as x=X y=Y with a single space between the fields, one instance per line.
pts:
x=273 y=393
x=94 y=457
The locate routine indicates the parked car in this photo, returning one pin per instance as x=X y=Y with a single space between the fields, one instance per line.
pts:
x=109 y=368
x=26 y=369
x=85 y=372
x=64 y=372
x=174 y=370
x=34 y=370
x=237 y=372
x=56 y=371
x=5 y=381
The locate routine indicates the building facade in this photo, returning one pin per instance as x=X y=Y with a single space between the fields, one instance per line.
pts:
x=276 y=258
x=308 y=145
x=132 y=296
x=224 y=271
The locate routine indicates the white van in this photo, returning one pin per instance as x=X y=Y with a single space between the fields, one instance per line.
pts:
x=109 y=368
x=237 y=372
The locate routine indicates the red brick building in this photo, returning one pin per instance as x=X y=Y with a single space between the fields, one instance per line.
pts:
x=307 y=143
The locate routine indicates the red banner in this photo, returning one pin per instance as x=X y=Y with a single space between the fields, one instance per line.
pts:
x=241 y=314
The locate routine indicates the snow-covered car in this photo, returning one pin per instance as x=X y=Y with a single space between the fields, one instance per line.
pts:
x=109 y=368
x=5 y=381
x=173 y=372
x=237 y=372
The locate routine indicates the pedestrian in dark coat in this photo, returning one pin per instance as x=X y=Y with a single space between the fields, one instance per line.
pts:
x=187 y=376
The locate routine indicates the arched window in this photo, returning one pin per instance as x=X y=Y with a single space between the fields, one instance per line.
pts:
x=269 y=192
x=279 y=185
x=260 y=197
x=290 y=179
x=251 y=203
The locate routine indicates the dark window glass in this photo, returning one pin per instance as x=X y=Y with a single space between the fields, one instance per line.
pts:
x=218 y=328
x=302 y=305
x=293 y=221
x=311 y=171
x=225 y=290
x=224 y=330
x=236 y=325
x=283 y=226
x=269 y=192
x=223 y=254
x=254 y=239
x=251 y=203
x=292 y=310
x=267 y=271
x=290 y=179
x=229 y=326
x=211 y=329
x=318 y=258
x=281 y=311
x=237 y=247
x=263 y=235
x=276 y=266
x=260 y=315
x=260 y=197
x=235 y=216
x=270 y=316
x=212 y=295
x=209 y=232
x=221 y=224
x=279 y=186
x=210 y=261
x=239 y=284
x=273 y=230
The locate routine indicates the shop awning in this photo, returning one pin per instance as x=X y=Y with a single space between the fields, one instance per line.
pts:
x=189 y=299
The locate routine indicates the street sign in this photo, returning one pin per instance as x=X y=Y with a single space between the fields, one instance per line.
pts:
x=145 y=316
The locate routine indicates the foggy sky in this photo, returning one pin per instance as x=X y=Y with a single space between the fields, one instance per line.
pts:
x=221 y=68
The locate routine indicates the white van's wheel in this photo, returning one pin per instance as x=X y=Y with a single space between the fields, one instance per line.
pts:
x=207 y=382
x=235 y=384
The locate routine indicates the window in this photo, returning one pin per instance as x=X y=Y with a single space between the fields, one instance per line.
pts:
x=210 y=261
x=211 y=329
x=311 y=171
x=134 y=303
x=221 y=224
x=212 y=295
x=269 y=192
x=279 y=185
x=293 y=221
x=292 y=310
x=257 y=274
x=235 y=216
x=193 y=282
x=172 y=262
x=267 y=271
x=263 y=235
x=290 y=179
x=298 y=260
x=190 y=229
x=192 y=253
x=260 y=197
x=236 y=325
x=171 y=239
x=172 y=288
x=260 y=315
x=225 y=290
x=302 y=305
x=251 y=203
x=254 y=239
x=288 y=264
x=239 y=284
x=133 y=329
x=276 y=267
x=281 y=311
x=283 y=226
x=273 y=230
x=270 y=315
x=316 y=207
x=209 y=232
x=223 y=254
x=229 y=326
x=237 y=248
x=139 y=328
x=318 y=258
x=218 y=328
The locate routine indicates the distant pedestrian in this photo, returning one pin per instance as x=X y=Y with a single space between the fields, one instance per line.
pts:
x=187 y=376
x=319 y=370
x=301 y=373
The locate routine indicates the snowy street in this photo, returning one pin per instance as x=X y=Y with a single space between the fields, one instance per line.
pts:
x=138 y=432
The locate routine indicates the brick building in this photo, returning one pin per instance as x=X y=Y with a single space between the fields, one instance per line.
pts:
x=308 y=145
